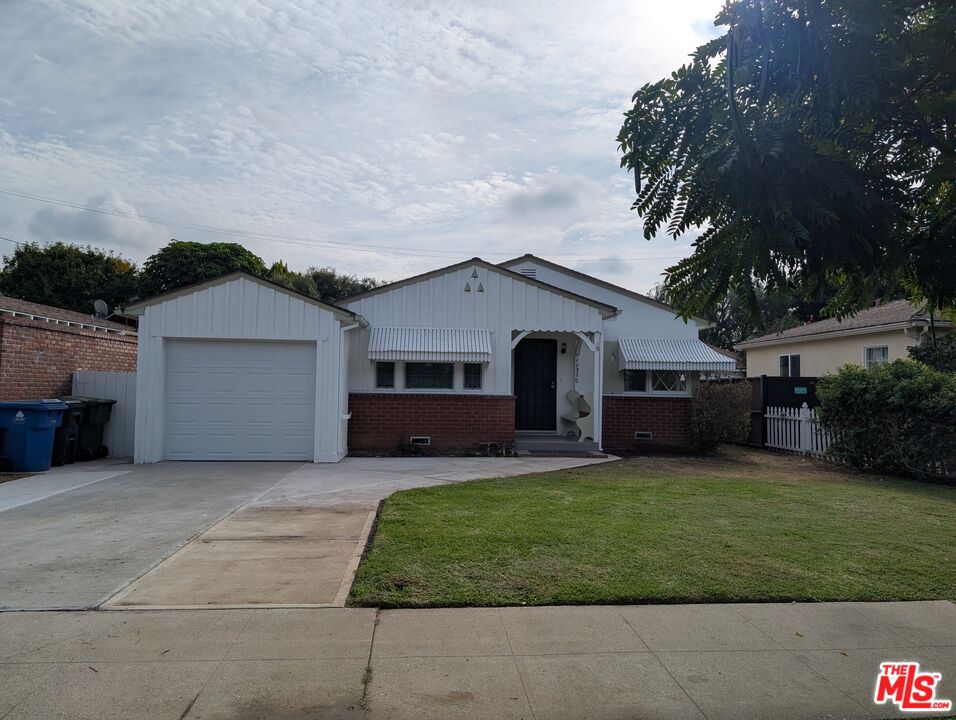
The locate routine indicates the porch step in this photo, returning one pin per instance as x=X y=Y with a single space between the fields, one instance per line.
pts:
x=553 y=444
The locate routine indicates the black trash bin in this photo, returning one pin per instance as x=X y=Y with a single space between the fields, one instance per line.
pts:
x=65 y=437
x=96 y=413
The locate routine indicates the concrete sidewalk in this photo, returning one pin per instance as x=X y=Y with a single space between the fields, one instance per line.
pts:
x=684 y=661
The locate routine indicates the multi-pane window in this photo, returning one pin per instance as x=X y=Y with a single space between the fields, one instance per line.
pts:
x=384 y=374
x=429 y=376
x=635 y=380
x=789 y=366
x=668 y=381
x=472 y=376
x=661 y=381
x=873 y=356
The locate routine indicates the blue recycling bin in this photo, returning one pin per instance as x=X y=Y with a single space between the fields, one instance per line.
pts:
x=26 y=433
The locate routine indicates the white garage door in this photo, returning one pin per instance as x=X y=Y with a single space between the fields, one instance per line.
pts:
x=238 y=400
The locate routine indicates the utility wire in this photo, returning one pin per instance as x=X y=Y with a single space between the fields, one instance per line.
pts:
x=365 y=247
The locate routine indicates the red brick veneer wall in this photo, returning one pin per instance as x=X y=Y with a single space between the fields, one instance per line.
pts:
x=37 y=359
x=667 y=417
x=382 y=421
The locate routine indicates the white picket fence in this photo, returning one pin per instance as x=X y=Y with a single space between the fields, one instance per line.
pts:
x=118 y=386
x=797 y=430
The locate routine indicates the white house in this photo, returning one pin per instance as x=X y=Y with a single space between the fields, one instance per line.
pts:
x=528 y=351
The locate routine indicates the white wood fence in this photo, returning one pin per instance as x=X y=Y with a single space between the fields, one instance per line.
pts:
x=118 y=386
x=796 y=430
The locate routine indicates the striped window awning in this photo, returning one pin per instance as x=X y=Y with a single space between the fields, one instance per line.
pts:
x=430 y=344
x=662 y=354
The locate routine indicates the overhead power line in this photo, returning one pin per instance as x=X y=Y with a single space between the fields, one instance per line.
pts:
x=330 y=244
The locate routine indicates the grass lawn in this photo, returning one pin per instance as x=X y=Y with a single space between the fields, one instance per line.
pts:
x=742 y=526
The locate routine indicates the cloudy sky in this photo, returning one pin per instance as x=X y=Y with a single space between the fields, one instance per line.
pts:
x=383 y=138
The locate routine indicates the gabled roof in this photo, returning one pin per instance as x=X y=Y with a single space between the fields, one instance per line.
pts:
x=597 y=281
x=887 y=316
x=139 y=306
x=606 y=310
x=13 y=306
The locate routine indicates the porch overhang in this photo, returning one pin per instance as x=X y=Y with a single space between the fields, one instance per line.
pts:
x=666 y=354
x=430 y=344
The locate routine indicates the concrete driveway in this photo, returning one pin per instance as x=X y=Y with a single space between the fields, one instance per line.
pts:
x=206 y=534
x=74 y=536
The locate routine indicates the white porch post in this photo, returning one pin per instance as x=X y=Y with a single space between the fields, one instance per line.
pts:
x=598 y=408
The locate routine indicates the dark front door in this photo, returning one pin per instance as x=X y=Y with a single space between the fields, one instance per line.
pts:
x=536 y=374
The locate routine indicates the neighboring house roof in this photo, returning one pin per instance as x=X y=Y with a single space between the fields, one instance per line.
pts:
x=897 y=314
x=597 y=281
x=606 y=310
x=139 y=306
x=48 y=313
x=737 y=357
x=430 y=344
x=667 y=354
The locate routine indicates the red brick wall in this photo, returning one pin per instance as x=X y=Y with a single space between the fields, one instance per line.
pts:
x=382 y=421
x=37 y=359
x=667 y=417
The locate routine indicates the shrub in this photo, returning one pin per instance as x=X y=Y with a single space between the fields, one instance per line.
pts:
x=939 y=354
x=898 y=417
x=720 y=413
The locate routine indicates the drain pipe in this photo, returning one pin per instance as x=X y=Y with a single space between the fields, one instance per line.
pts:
x=344 y=414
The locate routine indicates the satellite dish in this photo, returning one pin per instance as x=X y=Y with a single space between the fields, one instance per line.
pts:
x=100 y=309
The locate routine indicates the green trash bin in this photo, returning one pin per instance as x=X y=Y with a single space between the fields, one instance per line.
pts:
x=96 y=413
x=65 y=437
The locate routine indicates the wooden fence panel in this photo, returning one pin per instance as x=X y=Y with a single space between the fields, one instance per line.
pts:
x=118 y=386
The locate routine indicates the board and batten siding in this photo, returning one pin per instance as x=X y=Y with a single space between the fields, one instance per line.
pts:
x=638 y=318
x=239 y=309
x=506 y=304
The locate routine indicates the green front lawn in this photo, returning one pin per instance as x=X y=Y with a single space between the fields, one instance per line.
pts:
x=744 y=526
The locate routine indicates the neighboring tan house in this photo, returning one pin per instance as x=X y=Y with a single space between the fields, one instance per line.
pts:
x=42 y=346
x=237 y=368
x=880 y=334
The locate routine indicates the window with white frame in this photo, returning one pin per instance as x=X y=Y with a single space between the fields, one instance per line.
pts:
x=668 y=381
x=790 y=365
x=385 y=375
x=635 y=381
x=875 y=355
x=429 y=376
x=471 y=376
x=656 y=381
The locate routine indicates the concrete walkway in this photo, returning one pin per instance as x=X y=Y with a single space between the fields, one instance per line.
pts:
x=58 y=480
x=779 y=661
x=299 y=543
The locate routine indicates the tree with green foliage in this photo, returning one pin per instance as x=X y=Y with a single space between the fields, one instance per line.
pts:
x=813 y=143
x=331 y=286
x=68 y=276
x=303 y=283
x=183 y=263
x=938 y=353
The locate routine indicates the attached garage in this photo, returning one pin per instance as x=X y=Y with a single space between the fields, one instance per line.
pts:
x=239 y=400
x=237 y=368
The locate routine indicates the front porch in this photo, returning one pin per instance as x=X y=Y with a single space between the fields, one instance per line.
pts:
x=552 y=444
x=557 y=383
